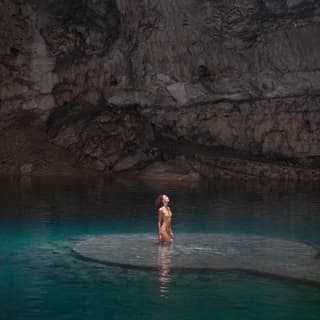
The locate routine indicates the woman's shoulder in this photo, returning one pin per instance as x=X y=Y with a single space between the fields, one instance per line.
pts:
x=164 y=209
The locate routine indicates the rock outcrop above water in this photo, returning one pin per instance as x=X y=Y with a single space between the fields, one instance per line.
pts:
x=178 y=169
x=104 y=140
x=242 y=75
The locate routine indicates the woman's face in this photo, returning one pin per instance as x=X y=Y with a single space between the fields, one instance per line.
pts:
x=165 y=200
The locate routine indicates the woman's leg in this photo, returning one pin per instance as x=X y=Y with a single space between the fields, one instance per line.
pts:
x=165 y=237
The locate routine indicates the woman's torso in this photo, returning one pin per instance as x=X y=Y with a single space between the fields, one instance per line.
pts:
x=167 y=214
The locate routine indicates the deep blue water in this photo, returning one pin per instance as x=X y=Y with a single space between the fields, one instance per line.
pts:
x=41 y=219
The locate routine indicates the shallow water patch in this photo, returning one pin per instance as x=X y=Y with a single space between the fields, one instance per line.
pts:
x=206 y=251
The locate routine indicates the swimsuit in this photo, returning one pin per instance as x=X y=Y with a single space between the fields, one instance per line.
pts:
x=168 y=214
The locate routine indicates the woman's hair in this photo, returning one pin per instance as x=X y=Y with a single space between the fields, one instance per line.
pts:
x=159 y=201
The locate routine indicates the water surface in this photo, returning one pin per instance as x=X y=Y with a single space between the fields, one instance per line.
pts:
x=41 y=220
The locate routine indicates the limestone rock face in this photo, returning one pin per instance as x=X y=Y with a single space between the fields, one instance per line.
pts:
x=178 y=169
x=107 y=140
x=278 y=127
x=47 y=51
x=242 y=74
x=207 y=50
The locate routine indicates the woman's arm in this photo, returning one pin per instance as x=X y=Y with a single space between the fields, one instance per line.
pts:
x=159 y=224
x=171 y=233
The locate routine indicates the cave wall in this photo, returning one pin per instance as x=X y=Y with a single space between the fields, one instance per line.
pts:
x=244 y=74
x=52 y=51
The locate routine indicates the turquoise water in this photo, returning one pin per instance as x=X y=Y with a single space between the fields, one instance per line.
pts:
x=41 y=220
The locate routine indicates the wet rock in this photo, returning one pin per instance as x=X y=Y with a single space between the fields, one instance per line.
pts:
x=175 y=169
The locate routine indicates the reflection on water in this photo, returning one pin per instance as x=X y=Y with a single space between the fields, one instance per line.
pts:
x=164 y=260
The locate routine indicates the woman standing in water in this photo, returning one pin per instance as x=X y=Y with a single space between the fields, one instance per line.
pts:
x=164 y=219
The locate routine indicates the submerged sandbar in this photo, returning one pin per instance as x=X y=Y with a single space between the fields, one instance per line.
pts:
x=206 y=251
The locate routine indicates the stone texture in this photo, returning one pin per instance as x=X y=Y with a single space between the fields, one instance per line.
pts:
x=105 y=140
x=276 y=128
x=239 y=74
x=130 y=161
x=26 y=150
x=178 y=169
x=219 y=167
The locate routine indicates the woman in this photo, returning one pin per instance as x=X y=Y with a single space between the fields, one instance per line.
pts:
x=164 y=219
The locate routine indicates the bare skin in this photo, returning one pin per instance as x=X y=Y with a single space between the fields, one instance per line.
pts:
x=164 y=222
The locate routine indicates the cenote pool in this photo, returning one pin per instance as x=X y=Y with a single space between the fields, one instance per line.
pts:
x=42 y=219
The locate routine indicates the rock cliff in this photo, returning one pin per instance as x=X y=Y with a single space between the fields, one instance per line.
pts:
x=105 y=79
